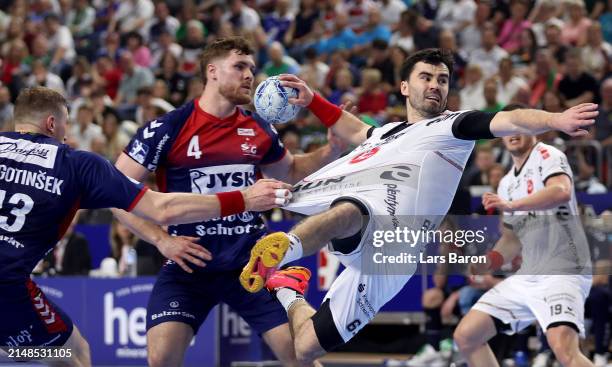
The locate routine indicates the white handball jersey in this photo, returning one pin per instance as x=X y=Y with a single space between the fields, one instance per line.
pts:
x=553 y=240
x=401 y=169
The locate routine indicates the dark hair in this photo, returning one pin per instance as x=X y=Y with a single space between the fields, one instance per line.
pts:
x=221 y=48
x=32 y=102
x=514 y=106
x=433 y=56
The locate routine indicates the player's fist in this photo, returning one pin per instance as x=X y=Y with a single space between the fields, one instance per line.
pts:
x=266 y=194
x=491 y=200
x=575 y=121
x=305 y=94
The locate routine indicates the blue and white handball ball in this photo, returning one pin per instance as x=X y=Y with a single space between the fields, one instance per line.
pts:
x=272 y=101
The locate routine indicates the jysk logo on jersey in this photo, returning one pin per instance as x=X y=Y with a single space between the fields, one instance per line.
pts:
x=139 y=151
x=22 y=150
x=210 y=180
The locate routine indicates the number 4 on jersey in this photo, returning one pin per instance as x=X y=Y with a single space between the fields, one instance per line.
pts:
x=193 y=150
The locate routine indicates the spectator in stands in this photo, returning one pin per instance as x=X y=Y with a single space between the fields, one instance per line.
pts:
x=116 y=139
x=546 y=77
x=277 y=23
x=606 y=23
x=602 y=130
x=84 y=131
x=374 y=30
x=575 y=29
x=61 y=43
x=372 y=97
x=424 y=32
x=472 y=93
x=80 y=20
x=6 y=109
x=508 y=83
x=133 y=78
x=597 y=53
x=71 y=254
x=193 y=43
x=107 y=75
x=554 y=44
x=390 y=11
x=162 y=23
x=140 y=52
x=132 y=16
x=380 y=59
x=357 y=11
x=343 y=37
x=402 y=37
x=301 y=31
x=122 y=241
x=343 y=85
x=524 y=55
x=319 y=69
x=42 y=77
x=166 y=43
x=175 y=80
x=483 y=162
x=490 y=54
x=577 y=86
x=586 y=180
x=39 y=50
x=470 y=37
x=510 y=32
x=455 y=15
x=544 y=12
x=279 y=62
x=111 y=47
x=12 y=69
x=81 y=76
x=242 y=17
x=490 y=95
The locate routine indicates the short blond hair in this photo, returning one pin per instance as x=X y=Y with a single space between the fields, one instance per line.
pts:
x=36 y=101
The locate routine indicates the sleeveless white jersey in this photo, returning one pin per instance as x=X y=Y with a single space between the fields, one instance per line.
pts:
x=553 y=240
x=400 y=169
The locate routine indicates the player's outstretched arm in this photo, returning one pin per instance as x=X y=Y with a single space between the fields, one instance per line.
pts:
x=343 y=124
x=179 y=208
x=573 y=121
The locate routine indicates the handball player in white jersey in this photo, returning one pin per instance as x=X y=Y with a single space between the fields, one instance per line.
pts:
x=403 y=169
x=542 y=225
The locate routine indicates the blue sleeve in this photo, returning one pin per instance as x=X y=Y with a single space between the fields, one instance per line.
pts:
x=104 y=186
x=151 y=143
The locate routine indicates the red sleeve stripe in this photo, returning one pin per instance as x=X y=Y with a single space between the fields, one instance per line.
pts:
x=137 y=198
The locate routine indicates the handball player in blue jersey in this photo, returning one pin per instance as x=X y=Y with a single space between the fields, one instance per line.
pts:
x=43 y=183
x=211 y=145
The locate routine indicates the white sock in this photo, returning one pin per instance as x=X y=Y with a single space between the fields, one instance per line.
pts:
x=287 y=297
x=294 y=252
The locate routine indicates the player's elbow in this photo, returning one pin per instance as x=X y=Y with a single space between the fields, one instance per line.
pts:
x=563 y=194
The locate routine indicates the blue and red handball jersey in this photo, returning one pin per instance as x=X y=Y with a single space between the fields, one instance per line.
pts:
x=193 y=151
x=42 y=185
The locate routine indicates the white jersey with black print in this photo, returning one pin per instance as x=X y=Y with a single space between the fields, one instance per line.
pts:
x=553 y=240
x=405 y=176
x=403 y=169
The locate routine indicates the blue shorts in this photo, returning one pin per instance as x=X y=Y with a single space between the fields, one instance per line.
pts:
x=29 y=318
x=188 y=298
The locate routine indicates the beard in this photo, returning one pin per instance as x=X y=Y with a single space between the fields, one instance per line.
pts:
x=234 y=95
x=426 y=108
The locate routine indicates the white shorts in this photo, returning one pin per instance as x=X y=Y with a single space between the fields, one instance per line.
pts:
x=522 y=299
x=359 y=292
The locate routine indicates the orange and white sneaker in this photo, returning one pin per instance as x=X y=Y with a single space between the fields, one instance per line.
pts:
x=265 y=257
x=294 y=277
